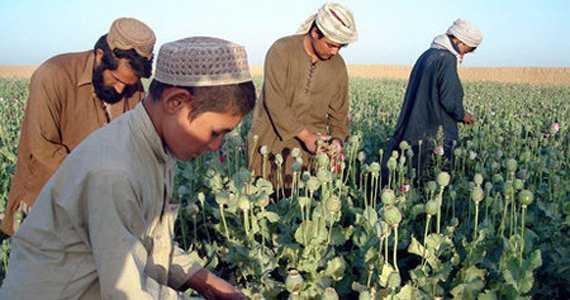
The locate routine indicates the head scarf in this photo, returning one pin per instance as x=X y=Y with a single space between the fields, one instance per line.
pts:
x=129 y=33
x=202 y=61
x=335 y=21
x=466 y=32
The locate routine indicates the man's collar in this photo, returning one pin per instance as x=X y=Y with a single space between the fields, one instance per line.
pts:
x=87 y=73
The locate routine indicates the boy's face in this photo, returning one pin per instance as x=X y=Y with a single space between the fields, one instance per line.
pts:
x=187 y=138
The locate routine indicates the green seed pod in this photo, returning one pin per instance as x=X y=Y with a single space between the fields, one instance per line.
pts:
x=443 y=179
x=330 y=294
x=526 y=197
x=365 y=295
x=526 y=156
x=278 y=159
x=495 y=166
x=19 y=216
x=404 y=145
x=392 y=163
x=432 y=207
x=395 y=154
x=201 y=197
x=296 y=152
x=518 y=184
x=294 y=281
x=388 y=196
x=361 y=156
x=457 y=152
x=498 y=178
x=334 y=204
x=262 y=200
x=305 y=176
x=454 y=222
x=313 y=184
x=296 y=166
x=244 y=203
x=410 y=152
x=222 y=198
x=324 y=176
x=392 y=215
x=322 y=160
x=375 y=168
x=488 y=186
x=453 y=194
x=431 y=186
x=394 y=280
x=304 y=201
x=478 y=179
x=499 y=153
x=508 y=188
x=257 y=296
x=264 y=150
x=477 y=194
x=512 y=165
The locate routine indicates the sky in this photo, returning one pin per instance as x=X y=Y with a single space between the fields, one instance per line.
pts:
x=392 y=32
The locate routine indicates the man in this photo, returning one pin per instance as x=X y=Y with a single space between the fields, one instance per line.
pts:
x=102 y=227
x=304 y=97
x=71 y=95
x=434 y=96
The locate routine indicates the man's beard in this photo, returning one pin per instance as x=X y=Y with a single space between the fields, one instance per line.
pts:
x=105 y=93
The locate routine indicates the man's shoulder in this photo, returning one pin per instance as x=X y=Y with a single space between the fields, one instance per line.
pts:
x=64 y=63
x=287 y=42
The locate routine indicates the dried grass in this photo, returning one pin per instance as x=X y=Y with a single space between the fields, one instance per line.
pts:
x=528 y=75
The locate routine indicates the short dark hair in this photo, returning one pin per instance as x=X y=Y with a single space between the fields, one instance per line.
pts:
x=237 y=99
x=140 y=65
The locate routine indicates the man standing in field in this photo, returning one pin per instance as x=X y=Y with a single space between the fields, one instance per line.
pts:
x=434 y=95
x=304 y=97
x=71 y=95
x=102 y=227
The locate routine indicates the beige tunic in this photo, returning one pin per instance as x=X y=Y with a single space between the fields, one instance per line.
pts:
x=102 y=227
x=297 y=94
x=62 y=110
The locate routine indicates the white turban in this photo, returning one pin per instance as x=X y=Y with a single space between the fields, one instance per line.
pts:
x=335 y=21
x=466 y=32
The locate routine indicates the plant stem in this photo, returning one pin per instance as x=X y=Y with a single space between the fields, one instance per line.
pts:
x=476 y=220
x=522 y=234
x=395 y=251
x=224 y=221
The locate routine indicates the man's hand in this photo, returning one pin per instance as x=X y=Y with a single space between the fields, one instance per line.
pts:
x=310 y=139
x=468 y=118
x=333 y=148
x=212 y=287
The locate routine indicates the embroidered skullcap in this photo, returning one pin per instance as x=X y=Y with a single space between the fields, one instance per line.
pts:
x=466 y=32
x=202 y=61
x=129 y=33
x=335 y=21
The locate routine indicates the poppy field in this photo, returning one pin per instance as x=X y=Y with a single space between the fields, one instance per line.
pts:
x=492 y=223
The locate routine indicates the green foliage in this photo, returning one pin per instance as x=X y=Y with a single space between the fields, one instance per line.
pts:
x=333 y=229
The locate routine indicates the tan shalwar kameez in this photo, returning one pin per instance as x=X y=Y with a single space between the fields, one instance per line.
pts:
x=297 y=94
x=102 y=227
x=62 y=110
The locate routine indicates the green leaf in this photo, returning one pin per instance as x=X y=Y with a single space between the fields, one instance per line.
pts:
x=272 y=217
x=409 y=292
x=487 y=295
x=336 y=268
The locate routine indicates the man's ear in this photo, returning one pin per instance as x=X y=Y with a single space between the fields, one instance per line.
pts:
x=98 y=56
x=174 y=99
